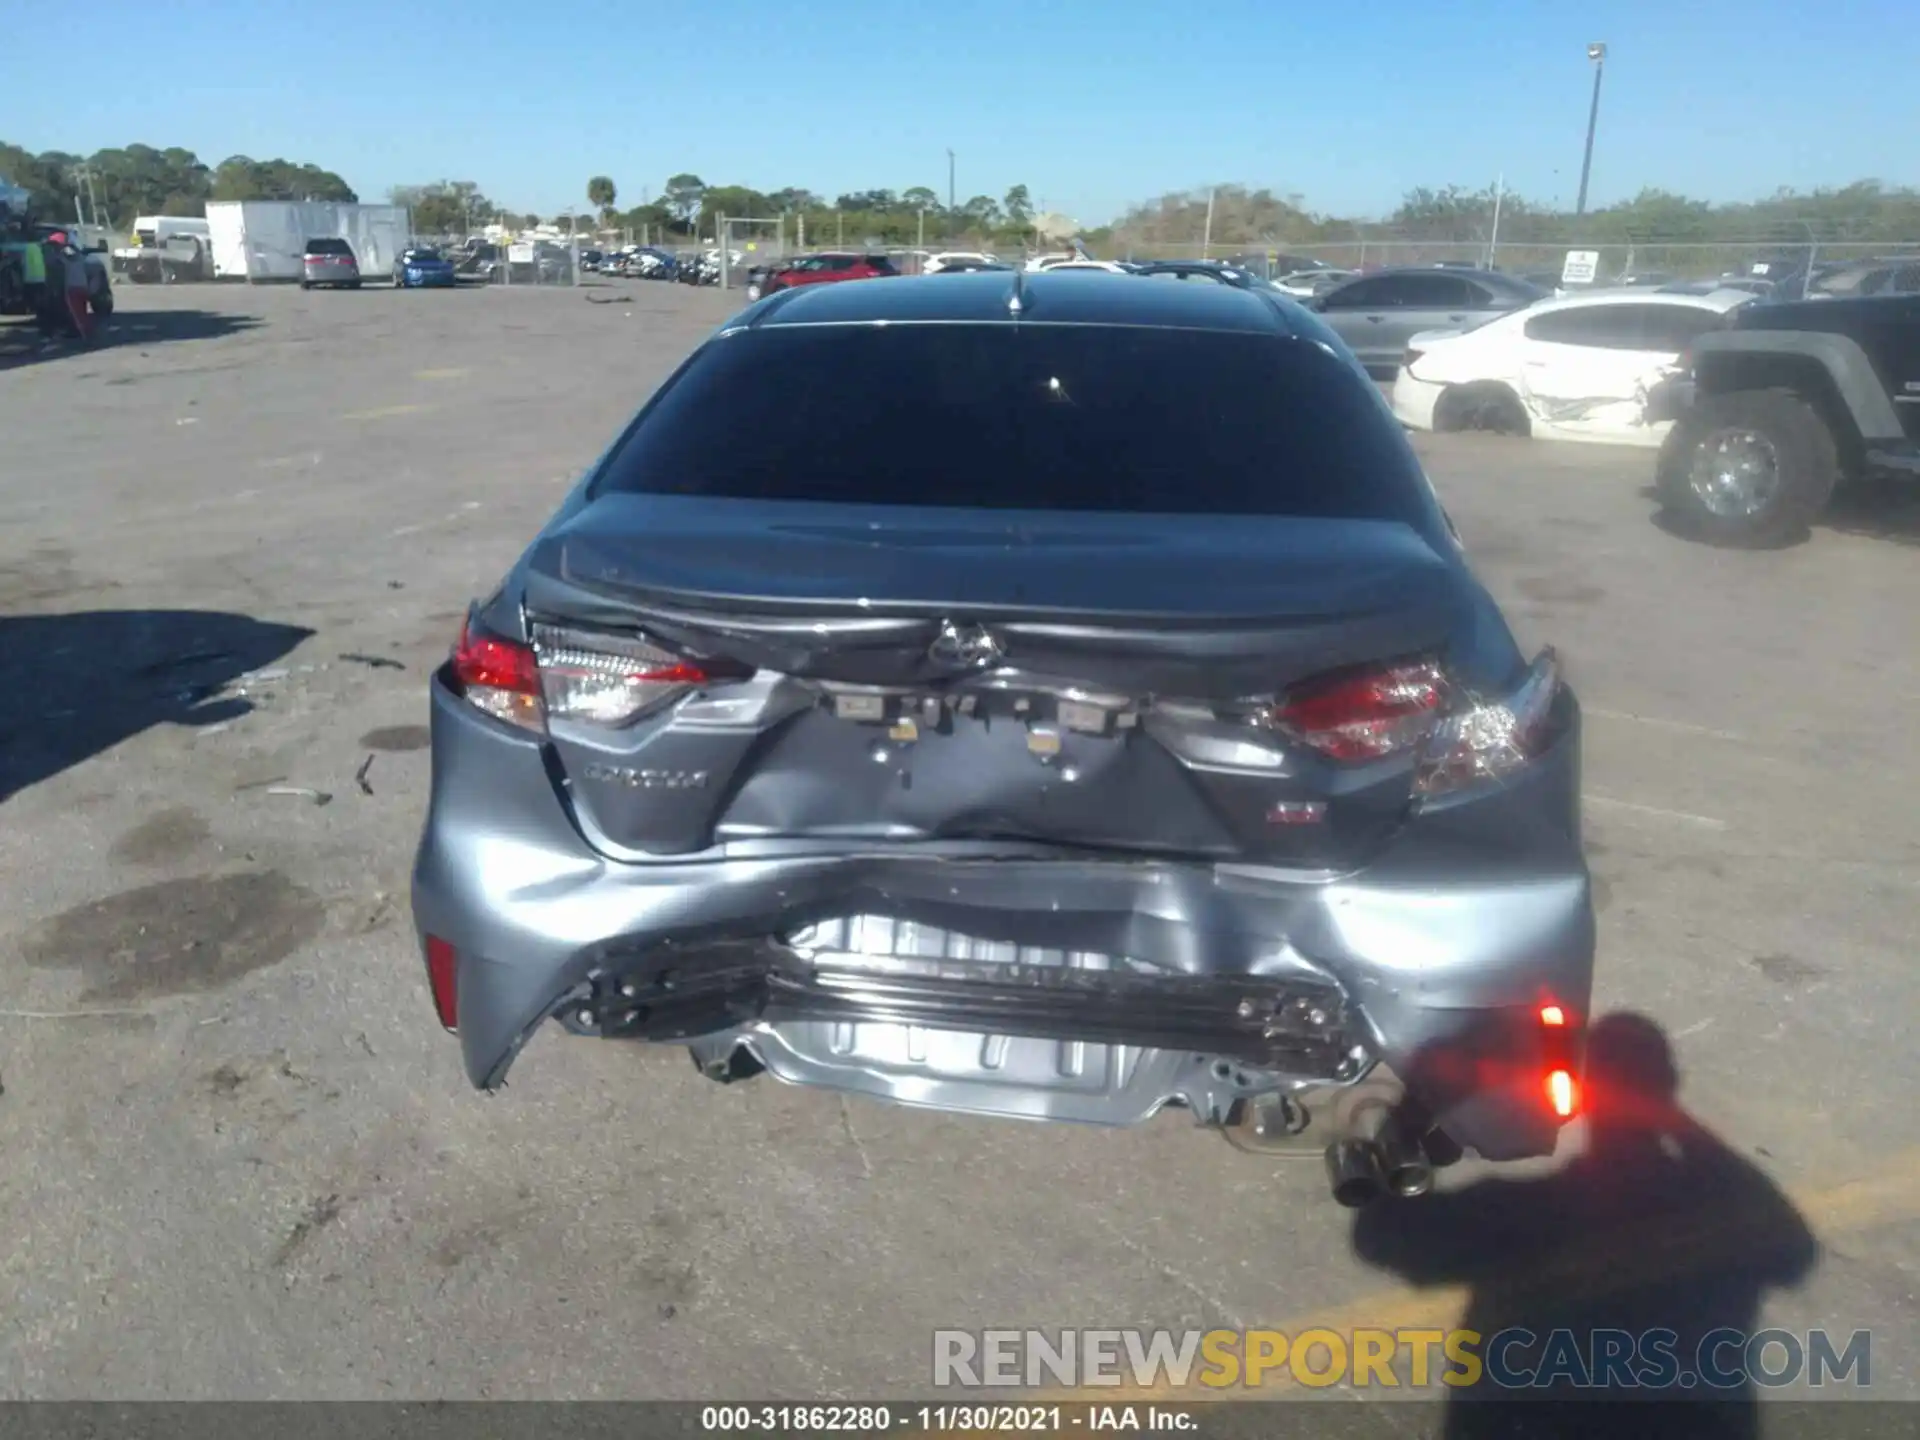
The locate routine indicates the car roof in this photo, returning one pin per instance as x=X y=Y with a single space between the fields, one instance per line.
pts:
x=988 y=297
x=1499 y=279
x=1721 y=300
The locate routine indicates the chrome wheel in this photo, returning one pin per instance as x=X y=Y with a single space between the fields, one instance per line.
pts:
x=1735 y=473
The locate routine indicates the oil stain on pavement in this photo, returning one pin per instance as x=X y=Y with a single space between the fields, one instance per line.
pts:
x=162 y=837
x=394 y=738
x=178 y=936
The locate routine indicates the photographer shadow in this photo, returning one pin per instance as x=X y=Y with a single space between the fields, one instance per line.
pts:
x=1656 y=1227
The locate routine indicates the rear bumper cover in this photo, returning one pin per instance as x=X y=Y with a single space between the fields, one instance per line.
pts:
x=1436 y=954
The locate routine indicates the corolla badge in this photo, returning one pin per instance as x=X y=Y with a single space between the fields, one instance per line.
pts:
x=968 y=646
x=637 y=779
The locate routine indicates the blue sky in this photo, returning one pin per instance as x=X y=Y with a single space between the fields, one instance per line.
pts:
x=1092 y=106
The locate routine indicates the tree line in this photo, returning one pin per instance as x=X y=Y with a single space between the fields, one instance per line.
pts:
x=119 y=184
x=1864 y=212
x=688 y=208
x=141 y=180
x=1230 y=216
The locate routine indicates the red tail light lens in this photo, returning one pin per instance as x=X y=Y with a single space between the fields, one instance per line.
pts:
x=1464 y=739
x=499 y=676
x=443 y=978
x=1366 y=714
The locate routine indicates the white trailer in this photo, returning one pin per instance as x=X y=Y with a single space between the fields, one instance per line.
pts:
x=264 y=239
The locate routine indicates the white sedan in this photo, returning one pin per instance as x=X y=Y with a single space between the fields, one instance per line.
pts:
x=1580 y=368
x=956 y=260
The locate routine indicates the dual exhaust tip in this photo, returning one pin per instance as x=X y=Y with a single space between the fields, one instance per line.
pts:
x=1378 y=1157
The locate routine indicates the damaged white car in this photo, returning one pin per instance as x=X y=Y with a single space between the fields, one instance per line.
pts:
x=1581 y=368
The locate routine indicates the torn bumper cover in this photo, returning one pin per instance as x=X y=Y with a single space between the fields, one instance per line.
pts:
x=1019 y=979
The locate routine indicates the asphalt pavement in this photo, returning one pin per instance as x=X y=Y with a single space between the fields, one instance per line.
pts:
x=238 y=1158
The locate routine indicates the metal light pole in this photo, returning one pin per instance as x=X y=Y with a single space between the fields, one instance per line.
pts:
x=950 y=191
x=1597 y=53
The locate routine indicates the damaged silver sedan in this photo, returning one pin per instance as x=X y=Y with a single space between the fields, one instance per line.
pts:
x=1056 y=697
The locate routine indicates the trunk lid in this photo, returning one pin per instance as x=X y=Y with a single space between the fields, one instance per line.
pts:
x=1095 y=680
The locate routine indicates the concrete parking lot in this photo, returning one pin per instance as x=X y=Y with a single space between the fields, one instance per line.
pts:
x=238 y=1158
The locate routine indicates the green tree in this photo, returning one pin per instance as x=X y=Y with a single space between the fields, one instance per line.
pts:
x=446 y=207
x=982 y=212
x=241 y=178
x=1019 y=207
x=736 y=202
x=601 y=194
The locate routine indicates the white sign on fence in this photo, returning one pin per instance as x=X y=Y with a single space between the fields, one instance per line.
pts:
x=1581 y=267
x=520 y=253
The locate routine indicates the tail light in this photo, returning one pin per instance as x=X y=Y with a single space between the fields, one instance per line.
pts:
x=614 y=679
x=1487 y=739
x=499 y=676
x=565 y=675
x=1563 y=1093
x=1461 y=739
x=443 y=978
x=1366 y=714
x=1560 y=1081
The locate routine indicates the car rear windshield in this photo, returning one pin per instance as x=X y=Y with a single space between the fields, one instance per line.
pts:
x=328 y=247
x=1029 y=417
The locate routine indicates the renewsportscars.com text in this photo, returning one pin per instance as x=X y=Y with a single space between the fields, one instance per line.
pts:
x=1513 y=1359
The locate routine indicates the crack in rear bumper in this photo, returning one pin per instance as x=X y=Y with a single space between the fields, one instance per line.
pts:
x=1437 y=953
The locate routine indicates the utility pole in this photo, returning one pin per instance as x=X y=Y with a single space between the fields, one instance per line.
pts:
x=1493 y=241
x=1206 y=238
x=1597 y=53
x=950 y=189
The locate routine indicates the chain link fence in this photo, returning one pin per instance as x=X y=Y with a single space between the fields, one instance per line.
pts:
x=1641 y=261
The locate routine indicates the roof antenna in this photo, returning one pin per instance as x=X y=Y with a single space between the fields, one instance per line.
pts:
x=1018 y=300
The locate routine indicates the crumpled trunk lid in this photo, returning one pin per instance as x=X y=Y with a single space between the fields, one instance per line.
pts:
x=918 y=674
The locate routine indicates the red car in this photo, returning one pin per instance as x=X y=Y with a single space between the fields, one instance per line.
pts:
x=819 y=269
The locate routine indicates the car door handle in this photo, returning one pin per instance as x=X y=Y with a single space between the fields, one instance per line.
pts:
x=1456 y=318
x=1376 y=319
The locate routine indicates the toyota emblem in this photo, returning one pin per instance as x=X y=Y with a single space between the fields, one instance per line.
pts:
x=967 y=646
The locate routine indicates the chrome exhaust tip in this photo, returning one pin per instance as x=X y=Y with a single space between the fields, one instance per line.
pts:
x=1405 y=1170
x=1354 y=1173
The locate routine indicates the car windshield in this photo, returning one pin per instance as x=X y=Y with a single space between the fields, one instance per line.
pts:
x=1038 y=417
x=423 y=252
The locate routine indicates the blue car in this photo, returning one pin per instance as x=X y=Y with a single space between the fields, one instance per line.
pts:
x=422 y=267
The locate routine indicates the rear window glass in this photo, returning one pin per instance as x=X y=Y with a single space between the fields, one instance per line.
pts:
x=328 y=247
x=1039 y=417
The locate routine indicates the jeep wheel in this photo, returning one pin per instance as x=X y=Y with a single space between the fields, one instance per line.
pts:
x=1751 y=469
x=101 y=301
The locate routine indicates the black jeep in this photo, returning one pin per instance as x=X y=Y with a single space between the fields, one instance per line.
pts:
x=1784 y=403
